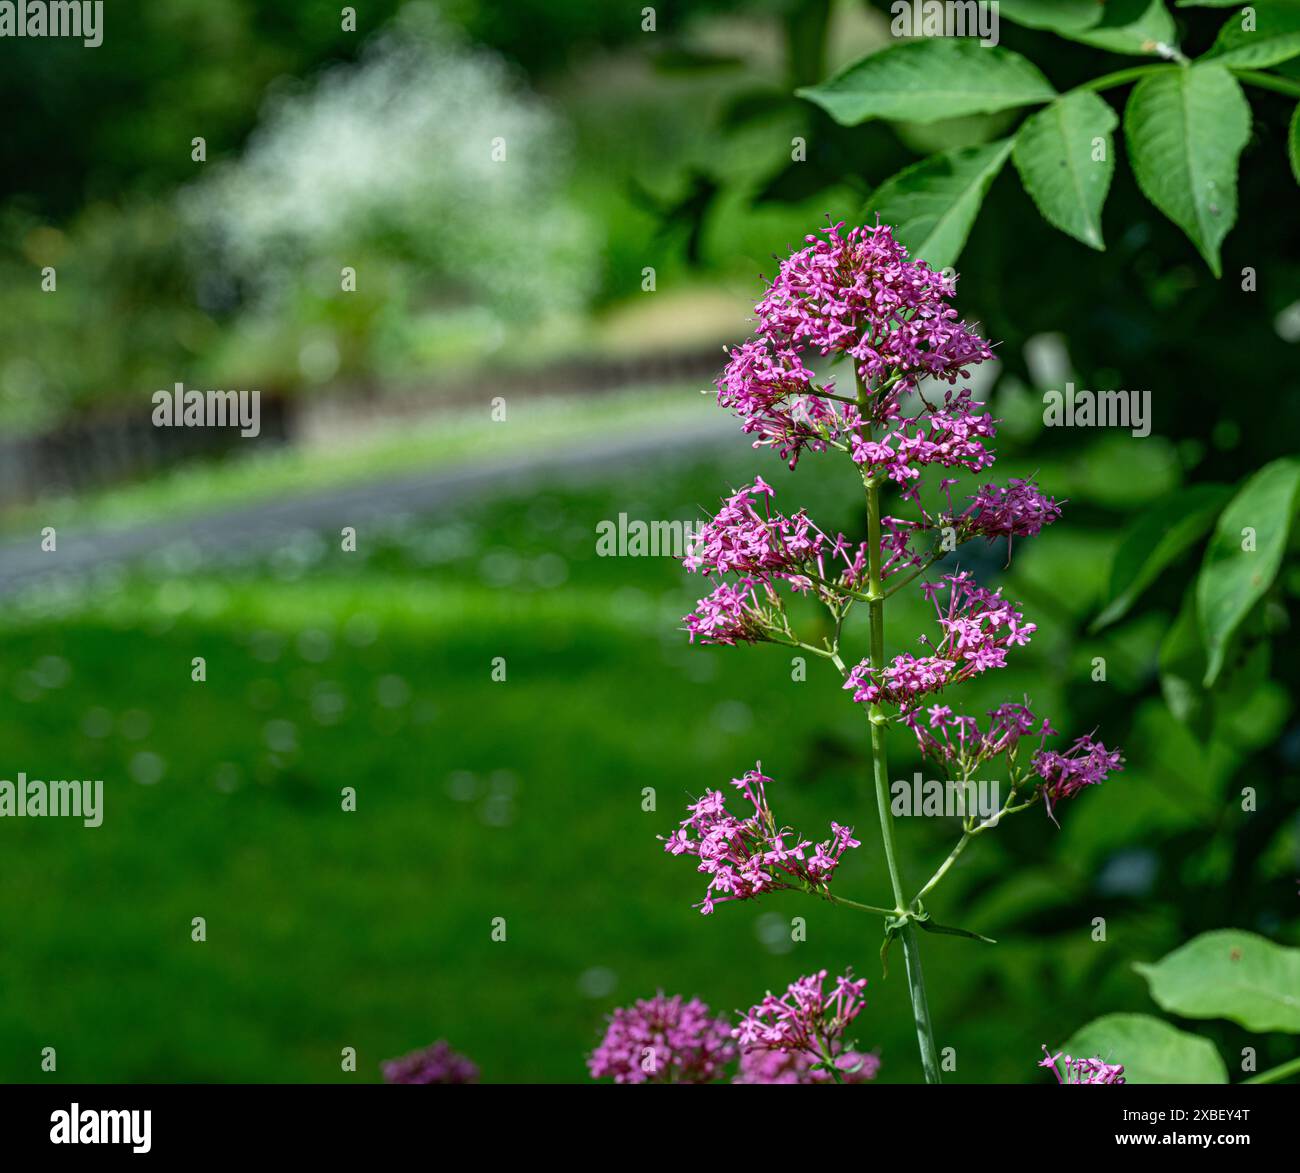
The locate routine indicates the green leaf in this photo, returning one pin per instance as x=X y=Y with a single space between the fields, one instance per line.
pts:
x=1231 y=974
x=1135 y=27
x=926 y=80
x=1293 y=144
x=891 y=931
x=932 y=204
x=929 y=926
x=1150 y=1049
x=1057 y=16
x=1185 y=129
x=1054 y=154
x=1273 y=38
x=1157 y=538
x=1208 y=3
x=1182 y=668
x=1244 y=554
x=1249 y=708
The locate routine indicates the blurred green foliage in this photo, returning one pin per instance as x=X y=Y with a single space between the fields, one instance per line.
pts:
x=477 y=800
x=327 y=148
x=524 y=799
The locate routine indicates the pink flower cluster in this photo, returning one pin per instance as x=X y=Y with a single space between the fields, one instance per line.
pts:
x=859 y=295
x=436 y=1063
x=765 y=548
x=732 y=613
x=739 y=538
x=949 y=436
x=760 y=1065
x=978 y=627
x=896 y=551
x=1083 y=1070
x=744 y=858
x=805 y=1018
x=957 y=742
x=668 y=1040
x=855 y=295
x=774 y=394
x=663 y=1040
x=1085 y=763
x=856 y=298
x=1019 y=510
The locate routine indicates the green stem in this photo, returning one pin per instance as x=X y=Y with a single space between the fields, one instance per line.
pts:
x=1269 y=81
x=1252 y=77
x=795 y=643
x=857 y=904
x=880 y=779
x=839 y=588
x=920 y=1005
x=829 y=1060
x=875 y=713
x=943 y=867
x=971 y=831
x=1273 y=1074
x=1108 y=81
x=915 y=573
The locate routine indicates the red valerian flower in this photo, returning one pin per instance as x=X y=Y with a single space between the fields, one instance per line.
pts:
x=744 y=858
x=663 y=1040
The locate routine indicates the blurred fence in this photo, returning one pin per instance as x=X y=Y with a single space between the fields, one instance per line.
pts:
x=115 y=444
x=110 y=445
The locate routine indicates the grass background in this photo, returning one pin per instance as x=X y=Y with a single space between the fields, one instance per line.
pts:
x=524 y=799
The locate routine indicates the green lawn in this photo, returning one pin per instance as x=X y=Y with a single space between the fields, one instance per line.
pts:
x=521 y=800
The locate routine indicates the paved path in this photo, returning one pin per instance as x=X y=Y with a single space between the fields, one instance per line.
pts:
x=263 y=525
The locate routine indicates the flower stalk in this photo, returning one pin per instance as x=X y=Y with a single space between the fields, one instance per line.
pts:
x=860 y=297
x=880 y=781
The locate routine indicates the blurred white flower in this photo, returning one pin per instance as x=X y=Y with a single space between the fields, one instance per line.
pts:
x=395 y=155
